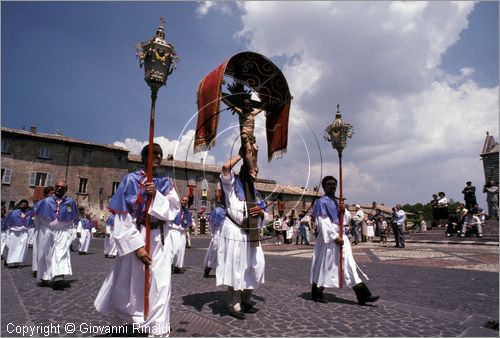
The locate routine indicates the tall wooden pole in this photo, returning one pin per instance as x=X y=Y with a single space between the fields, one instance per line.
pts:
x=341 y=226
x=149 y=176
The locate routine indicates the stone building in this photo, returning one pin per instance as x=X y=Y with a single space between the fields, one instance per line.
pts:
x=32 y=160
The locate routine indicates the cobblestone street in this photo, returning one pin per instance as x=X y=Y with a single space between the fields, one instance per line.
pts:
x=425 y=289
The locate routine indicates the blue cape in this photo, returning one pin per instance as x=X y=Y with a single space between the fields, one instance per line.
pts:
x=14 y=219
x=48 y=210
x=130 y=197
x=326 y=206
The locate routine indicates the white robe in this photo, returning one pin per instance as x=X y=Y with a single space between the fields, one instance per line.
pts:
x=177 y=243
x=3 y=240
x=240 y=265
x=211 y=255
x=122 y=292
x=34 y=253
x=17 y=244
x=110 y=247
x=325 y=262
x=85 y=237
x=53 y=252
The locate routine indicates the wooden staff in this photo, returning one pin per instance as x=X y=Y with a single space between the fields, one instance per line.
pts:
x=341 y=226
x=149 y=178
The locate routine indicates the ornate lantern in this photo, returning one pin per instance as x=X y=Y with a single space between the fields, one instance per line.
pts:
x=158 y=57
x=338 y=132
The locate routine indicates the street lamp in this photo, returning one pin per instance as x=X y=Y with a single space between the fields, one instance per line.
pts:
x=337 y=133
x=159 y=60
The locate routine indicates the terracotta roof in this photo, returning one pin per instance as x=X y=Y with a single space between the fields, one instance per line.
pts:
x=60 y=138
x=263 y=185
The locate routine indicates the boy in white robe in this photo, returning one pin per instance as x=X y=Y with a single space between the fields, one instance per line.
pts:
x=240 y=265
x=325 y=271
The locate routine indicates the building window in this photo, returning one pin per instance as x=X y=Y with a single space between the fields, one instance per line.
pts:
x=5 y=146
x=44 y=152
x=115 y=186
x=118 y=161
x=82 y=187
x=40 y=179
x=86 y=156
x=6 y=175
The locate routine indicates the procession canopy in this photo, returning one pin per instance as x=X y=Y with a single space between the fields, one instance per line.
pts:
x=265 y=79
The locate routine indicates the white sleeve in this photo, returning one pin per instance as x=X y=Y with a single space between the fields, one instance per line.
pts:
x=328 y=229
x=127 y=236
x=263 y=220
x=166 y=207
x=79 y=227
x=227 y=182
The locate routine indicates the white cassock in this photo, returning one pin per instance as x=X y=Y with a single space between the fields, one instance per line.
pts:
x=325 y=263
x=122 y=292
x=34 y=253
x=240 y=265
x=85 y=236
x=53 y=252
x=3 y=239
x=17 y=242
x=110 y=247
x=211 y=255
x=176 y=240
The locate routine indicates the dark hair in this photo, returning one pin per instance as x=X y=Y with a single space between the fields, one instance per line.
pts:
x=144 y=151
x=23 y=201
x=327 y=178
x=47 y=190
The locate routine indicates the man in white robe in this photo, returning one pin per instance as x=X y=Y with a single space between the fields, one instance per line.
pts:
x=240 y=265
x=54 y=216
x=216 y=219
x=18 y=222
x=85 y=232
x=325 y=272
x=177 y=236
x=122 y=292
x=47 y=191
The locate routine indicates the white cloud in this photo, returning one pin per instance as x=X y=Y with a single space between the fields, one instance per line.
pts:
x=381 y=62
x=181 y=149
x=205 y=6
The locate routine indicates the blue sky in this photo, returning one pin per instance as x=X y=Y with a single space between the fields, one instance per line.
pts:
x=417 y=80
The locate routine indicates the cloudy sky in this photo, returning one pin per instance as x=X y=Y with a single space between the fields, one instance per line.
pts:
x=417 y=80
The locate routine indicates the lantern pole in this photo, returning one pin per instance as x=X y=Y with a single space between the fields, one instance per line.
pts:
x=337 y=133
x=159 y=60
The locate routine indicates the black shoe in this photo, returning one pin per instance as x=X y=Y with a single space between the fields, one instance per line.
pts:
x=33 y=274
x=237 y=314
x=317 y=294
x=363 y=294
x=206 y=273
x=59 y=283
x=248 y=308
x=43 y=283
x=396 y=246
x=176 y=269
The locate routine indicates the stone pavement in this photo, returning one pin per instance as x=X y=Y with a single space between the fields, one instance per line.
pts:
x=426 y=290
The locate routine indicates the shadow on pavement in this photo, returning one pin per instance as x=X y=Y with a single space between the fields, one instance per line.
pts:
x=216 y=300
x=329 y=297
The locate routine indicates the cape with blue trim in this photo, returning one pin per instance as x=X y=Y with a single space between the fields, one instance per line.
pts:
x=326 y=206
x=47 y=210
x=130 y=197
x=15 y=219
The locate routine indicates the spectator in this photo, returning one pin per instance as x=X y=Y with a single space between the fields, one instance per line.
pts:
x=289 y=231
x=304 y=226
x=469 y=195
x=383 y=231
x=491 y=191
x=434 y=210
x=472 y=223
x=370 y=227
x=358 y=217
x=284 y=229
x=277 y=228
x=398 y=226
x=454 y=225
x=442 y=206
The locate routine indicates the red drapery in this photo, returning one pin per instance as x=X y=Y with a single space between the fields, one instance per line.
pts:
x=260 y=74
